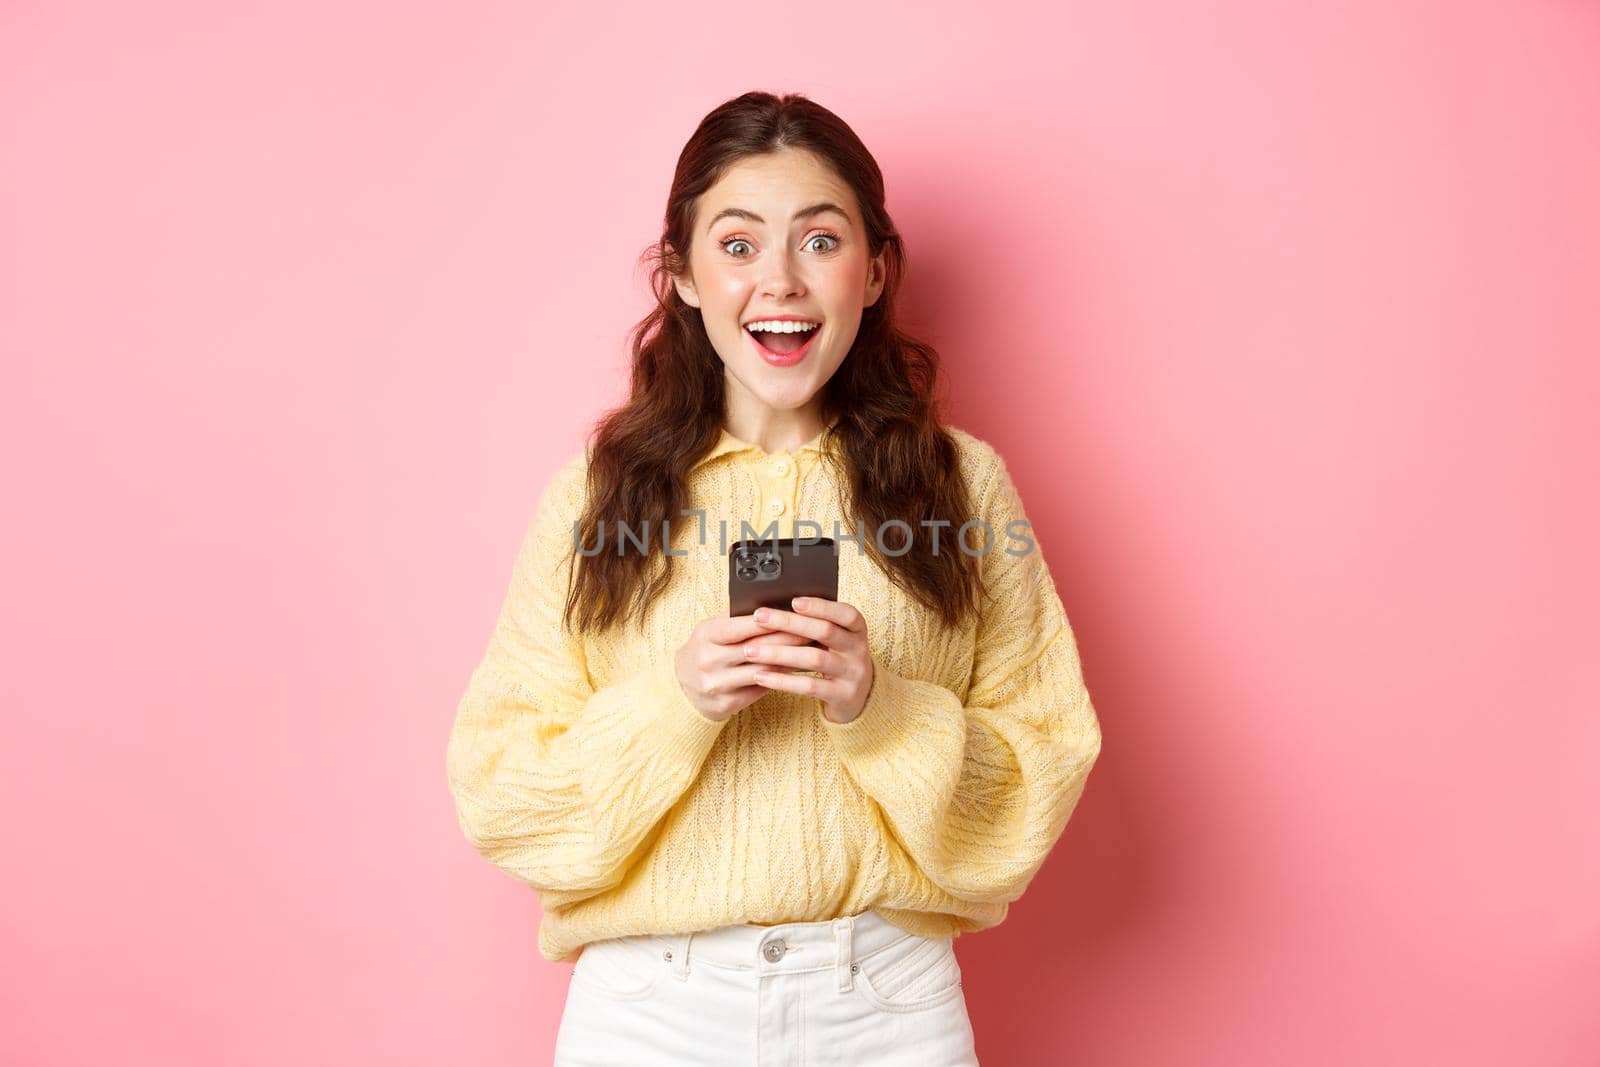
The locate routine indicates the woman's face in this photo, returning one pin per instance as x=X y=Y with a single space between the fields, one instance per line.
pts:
x=757 y=253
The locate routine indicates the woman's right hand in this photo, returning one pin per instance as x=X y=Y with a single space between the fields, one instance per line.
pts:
x=712 y=668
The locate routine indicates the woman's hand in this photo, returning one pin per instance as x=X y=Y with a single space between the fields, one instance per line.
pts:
x=844 y=660
x=712 y=669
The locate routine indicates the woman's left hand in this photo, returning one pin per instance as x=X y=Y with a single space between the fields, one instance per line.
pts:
x=844 y=659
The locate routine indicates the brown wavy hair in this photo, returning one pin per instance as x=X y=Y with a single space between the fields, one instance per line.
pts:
x=898 y=461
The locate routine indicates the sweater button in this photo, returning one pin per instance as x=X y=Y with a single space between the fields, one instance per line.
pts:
x=774 y=950
x=780 y=467
x=775 y=507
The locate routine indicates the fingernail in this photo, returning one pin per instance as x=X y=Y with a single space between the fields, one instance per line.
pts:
x=763 y=615
x=802 y=602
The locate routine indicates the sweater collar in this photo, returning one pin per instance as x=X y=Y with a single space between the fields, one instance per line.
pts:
x=727 y=444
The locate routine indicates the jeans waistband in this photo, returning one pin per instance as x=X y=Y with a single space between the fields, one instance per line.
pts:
x=800 y=946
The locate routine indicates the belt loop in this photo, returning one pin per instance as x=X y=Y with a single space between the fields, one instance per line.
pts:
x=678 y=946
x=844 y=965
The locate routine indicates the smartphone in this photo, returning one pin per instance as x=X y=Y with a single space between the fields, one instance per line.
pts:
x=770 y=573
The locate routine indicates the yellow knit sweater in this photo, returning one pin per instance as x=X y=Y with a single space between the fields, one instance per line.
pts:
x=579 y=767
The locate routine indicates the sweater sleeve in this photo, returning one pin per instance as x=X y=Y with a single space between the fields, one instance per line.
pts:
x=976 y=793
x=555 y=781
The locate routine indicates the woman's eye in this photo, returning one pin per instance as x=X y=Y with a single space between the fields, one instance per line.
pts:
x=734 y=241
x=825 y=237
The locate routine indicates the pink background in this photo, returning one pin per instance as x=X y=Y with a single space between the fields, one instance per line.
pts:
x=1282 y=315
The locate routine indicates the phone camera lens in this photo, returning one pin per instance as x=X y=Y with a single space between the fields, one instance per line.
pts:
x=769 y=565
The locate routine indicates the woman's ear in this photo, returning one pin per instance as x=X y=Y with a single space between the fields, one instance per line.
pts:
x=685 y=287
x=877 y=275
x=682 y=281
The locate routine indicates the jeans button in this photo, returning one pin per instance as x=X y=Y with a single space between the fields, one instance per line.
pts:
x=774 y=950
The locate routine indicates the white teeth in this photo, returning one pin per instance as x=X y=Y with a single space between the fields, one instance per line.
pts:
x=781 y=327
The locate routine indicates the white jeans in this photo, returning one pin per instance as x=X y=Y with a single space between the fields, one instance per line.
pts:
x=856 y=990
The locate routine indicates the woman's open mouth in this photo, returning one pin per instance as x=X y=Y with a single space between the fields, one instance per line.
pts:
x=783 y=349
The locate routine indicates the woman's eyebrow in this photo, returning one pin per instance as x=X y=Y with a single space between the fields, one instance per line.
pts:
x=803 y=213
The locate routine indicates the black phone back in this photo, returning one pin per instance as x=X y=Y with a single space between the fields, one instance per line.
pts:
x=770 y=573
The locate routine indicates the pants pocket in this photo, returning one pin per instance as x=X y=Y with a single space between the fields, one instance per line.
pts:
x=625 y=968
x=911 y=974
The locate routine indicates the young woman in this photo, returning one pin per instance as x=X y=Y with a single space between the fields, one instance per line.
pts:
x=759 y=835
